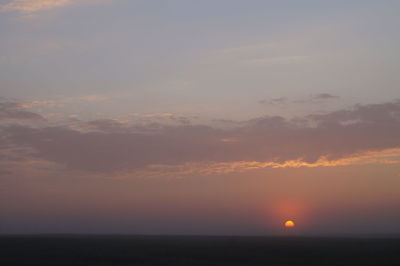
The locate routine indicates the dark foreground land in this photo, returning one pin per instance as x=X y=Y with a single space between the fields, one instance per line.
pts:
x=193 y=251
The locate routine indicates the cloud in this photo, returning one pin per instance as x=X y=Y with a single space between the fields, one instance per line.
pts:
x=388 y=156
x=229 y=140
x=10 y=110
x=32 y=6
x=277 y=60
x=29 y=8
x=314 y=98
x=5 y=172
x=275 y=101
x=381 y=115
x=266 y=54
x=181 y=119
x=107 y=125
x=324 y=96
x=317 y=140
x=61 y=101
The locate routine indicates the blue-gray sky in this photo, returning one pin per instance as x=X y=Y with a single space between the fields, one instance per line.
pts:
x=215 y=58
x=252 y=112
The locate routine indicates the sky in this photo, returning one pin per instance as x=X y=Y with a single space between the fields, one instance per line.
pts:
x=211 y=117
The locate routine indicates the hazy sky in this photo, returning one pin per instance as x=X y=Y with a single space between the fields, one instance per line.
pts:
x=199 y=117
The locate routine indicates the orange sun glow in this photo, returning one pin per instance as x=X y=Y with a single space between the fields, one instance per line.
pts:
x=289 y=224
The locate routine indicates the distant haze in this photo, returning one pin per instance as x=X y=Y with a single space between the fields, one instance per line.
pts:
x=200 y=117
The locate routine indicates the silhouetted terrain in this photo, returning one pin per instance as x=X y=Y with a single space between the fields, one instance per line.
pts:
x=193 y=251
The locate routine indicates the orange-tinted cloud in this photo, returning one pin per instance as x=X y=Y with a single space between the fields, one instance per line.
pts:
x=31 y=6
x=339 y=138
x=388 y=156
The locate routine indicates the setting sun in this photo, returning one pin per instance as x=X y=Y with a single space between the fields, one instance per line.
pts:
x=289 y=224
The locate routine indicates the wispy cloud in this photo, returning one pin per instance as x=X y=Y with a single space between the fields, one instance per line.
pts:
x=277 y=60
x=32 y=6
x=313 y=98
x=274 y=101
x=64 y=100
x=11 y=110
x=324 y=96
x=387 y=156
x=262 y=55
x=29 y=8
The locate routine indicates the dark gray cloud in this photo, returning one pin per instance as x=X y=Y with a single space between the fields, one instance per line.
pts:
x=334 y=135
x=14 y=111
x=379 y=114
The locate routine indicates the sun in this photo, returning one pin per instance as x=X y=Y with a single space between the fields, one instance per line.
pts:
x=289 y=224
